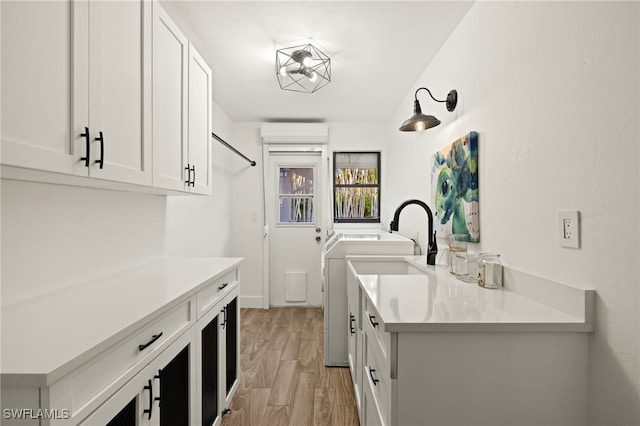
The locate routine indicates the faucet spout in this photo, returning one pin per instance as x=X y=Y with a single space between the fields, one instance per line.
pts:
x=432 y=250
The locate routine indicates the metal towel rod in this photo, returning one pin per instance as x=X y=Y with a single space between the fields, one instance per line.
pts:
x=223 y=142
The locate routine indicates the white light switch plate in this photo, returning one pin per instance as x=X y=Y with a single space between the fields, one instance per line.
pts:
x=569 y=228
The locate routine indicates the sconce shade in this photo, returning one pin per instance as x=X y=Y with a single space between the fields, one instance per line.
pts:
x=419 y=121
x=303 y=68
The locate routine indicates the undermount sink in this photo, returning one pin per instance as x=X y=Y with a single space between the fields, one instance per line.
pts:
x=386 y=266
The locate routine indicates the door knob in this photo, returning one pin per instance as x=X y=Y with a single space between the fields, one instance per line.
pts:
x=318 y=238
x=318 y=230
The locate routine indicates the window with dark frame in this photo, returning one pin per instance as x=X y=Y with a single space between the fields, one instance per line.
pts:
x=356 y=187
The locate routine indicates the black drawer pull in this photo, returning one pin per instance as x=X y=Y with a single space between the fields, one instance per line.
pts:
x=193 y=182
x=149 y=411
x=352 y=319
x=372 y=320
x=223 y=286
x=373 y=379
x=101 y=140
x=150 y=342
x=224 y=313
x=88 y=146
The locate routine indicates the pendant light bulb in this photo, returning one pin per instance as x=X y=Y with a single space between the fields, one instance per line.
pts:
x=307 y=61
x=283 y=71
x=313 y=77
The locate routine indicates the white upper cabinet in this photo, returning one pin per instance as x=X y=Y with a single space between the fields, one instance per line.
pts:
x=200 y=123
x=41 y=84
x=76 y=88
x=109 y=90
x=120 y=90
x=182 y=117
x=170 y=68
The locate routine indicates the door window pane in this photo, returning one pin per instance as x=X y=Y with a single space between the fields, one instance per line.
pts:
x=295 y=195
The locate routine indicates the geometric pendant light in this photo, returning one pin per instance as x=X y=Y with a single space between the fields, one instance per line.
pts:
x=303 y=68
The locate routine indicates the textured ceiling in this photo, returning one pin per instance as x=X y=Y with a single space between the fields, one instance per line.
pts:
x=378 y=49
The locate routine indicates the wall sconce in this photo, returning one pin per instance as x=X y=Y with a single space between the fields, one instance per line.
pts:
x=418 y=121
x=302 y=68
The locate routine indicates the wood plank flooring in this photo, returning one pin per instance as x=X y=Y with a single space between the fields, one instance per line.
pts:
x=283 y=379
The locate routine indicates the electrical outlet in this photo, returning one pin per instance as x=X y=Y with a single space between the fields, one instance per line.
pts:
x=569 y=229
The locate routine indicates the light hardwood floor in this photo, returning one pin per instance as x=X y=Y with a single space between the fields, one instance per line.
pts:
x=283 y=379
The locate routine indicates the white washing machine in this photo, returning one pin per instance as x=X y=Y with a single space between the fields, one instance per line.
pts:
x=334 y=275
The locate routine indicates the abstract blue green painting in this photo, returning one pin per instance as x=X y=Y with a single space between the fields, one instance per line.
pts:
x=454 y=188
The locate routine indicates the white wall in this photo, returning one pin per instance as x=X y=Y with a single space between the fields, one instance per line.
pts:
x=201 y=225
x=553 y=90
x=57 y=236
x=247 y=200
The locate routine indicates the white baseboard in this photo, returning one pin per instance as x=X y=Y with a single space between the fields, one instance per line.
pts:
x=251 y=301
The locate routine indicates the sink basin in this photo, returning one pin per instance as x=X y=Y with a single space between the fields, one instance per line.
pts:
x=386 y=266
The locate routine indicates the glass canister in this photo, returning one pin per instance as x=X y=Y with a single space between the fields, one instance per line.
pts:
x=457 y=247
x=467 y=267
x=489 y=270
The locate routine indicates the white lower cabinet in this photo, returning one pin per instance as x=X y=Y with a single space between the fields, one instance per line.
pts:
x=160 y=394
x=355 y=335
x=462 y=376
x=180 y=367
x=370 y=414
x=218 y=359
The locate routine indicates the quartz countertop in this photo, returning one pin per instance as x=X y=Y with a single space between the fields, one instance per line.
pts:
x=51 y=334
x=437 y=301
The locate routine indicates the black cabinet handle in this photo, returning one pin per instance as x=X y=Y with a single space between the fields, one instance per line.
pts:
x=224 y=313
x=223 y=286
x=373 y=379
x=150 y=342
x=87 y=145
x=193 y=182
x=188 y=169
x=149 y=411
x=352 y=319
x=372 y=320
x=157 y=377
x=101 y=140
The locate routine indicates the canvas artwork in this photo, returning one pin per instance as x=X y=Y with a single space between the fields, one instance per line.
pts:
x=454 y=188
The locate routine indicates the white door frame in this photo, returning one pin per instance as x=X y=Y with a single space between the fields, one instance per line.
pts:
x=290 y=138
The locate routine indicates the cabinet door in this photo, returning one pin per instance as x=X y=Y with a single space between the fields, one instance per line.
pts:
x=210 y=370
x=131 y=405
x=200 y=119
x=170 y=56
x=120 y=90
x=173 y=374
x=232 y=341
x=44 y=76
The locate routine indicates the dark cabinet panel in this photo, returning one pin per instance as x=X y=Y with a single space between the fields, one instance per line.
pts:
x=210 y=373
x=232 y=343
x=174 y=391
x=126 y=417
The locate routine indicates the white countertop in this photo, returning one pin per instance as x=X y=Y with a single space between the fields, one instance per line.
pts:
x=50 y=335
x=437 y=301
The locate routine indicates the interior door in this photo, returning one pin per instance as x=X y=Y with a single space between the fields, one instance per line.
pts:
x=294 y=201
